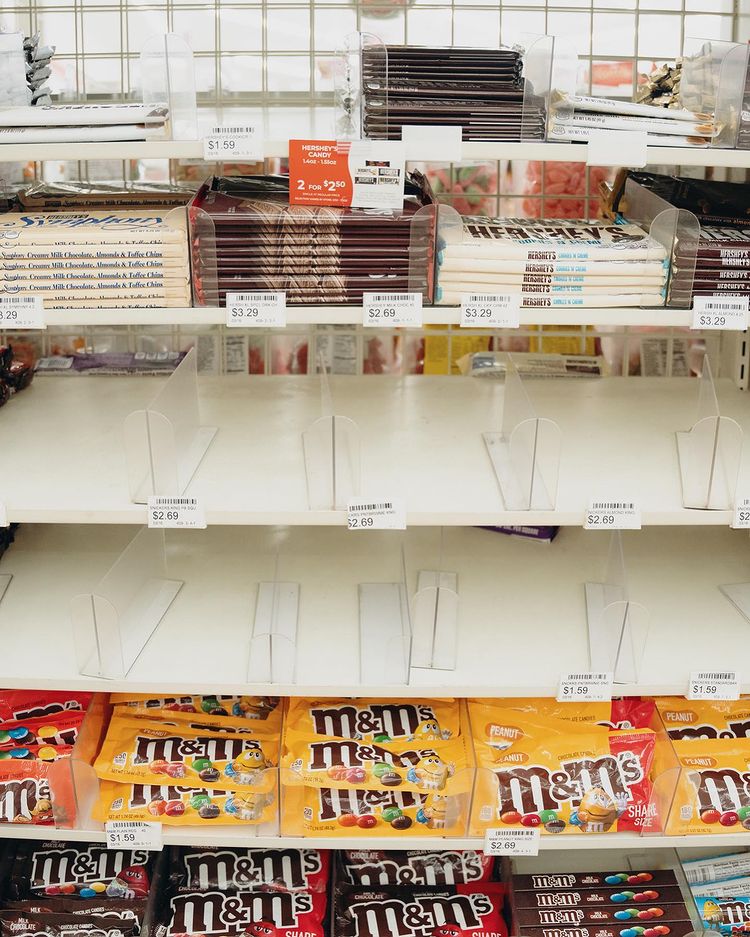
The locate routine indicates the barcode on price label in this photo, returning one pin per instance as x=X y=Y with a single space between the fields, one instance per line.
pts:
x=179 y=513
x=264 y=310
x=505 y=842
x=741 y=520
x=491 y=310
x=588 y=687
x=718 y=684
x=720 y=312
x=376 y=515
x=21 y=312
x=612 y=515
x=133 y=834
x=233 y=142
x=392 y=310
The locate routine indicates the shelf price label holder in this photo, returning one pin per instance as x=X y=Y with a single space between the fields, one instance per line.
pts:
x=709 y=452
x=331 y=448
x=165 y=442
x=617 y=626
x=113 y=623
x=525 y=454
x=273 y=644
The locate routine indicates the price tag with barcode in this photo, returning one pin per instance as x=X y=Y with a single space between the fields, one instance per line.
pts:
x=229 y=143
x=266 y=310
x=585 y=687
x=133 y=834
x=714 y=684
x=612 y=515
x=741 y=520
x=179 y=513
x=392 y=310
x=490 y=310
x=720 y=312
x=376 y=514
x=505 y=842
x=21 y=312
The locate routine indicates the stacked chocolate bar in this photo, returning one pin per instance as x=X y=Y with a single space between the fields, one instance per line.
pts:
x=246 y=236
x=480 y=90
x=554 y=263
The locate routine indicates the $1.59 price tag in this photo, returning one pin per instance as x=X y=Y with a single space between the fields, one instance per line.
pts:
x=256 y=310
x=229 y=143
x=179 y=513
x=741 y=520
x=133 y=834
x=490 y=310
x=392 y=310
x=706 y=684
x=589 y=687
x=21 y=312
x=499 y=842
x=612 y=515
x=720 y=312
x=376 y=515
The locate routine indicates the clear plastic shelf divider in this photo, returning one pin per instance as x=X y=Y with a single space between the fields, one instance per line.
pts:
x=538 y=57
x=385 y=634
x=710 y=452
x=713 y=82
x=168 y=77
x=113 y=623
x=525 y=454
x=165 y=442
x=5 y=579
x=348 y=83
x=273 y=646
x=738 y=594
x=564 y=79
x=434 y=609
x=617 y=626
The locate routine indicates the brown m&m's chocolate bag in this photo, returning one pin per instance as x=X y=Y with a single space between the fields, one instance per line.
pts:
x=713 y=790
x=193 y=868
x=376 y=867
x=704 y=719
x=27 y=924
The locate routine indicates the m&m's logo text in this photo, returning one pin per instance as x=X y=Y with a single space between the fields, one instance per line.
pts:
x=385 y=916
x=396 y=720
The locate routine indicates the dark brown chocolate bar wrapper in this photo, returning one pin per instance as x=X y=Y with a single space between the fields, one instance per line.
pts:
x=21 y=923
x=583 y=897
x=715 y=286
x=556 y=917
x=676 y=929
x=568 y=880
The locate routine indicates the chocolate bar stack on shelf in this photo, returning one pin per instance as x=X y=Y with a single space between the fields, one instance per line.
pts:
x=480 y=90
x=554 y=263
x=90 y=259
x=245 y=236
x=102 y=196
x=82 y=123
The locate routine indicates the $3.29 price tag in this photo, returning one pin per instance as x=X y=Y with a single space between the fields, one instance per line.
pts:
x=490 y=310
x=376 y=515
x=505 y=842
x=178 y=513
x=707 y=684
x=612 y=515
x=133 y=834
x=227 y=143
x=392 y=310
x=588 y=687
x=720 y=312
x=21 y=312
x=256 y=310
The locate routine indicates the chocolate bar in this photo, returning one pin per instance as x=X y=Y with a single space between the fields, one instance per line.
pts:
x=608 y=896
x=672 y=929
x=539 y=881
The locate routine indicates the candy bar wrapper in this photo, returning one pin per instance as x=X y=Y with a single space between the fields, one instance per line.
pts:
x=324 y=811
x=130 y=911
x=60 y=729
x=704 y=719
x=25 y=794
x=376 y=867
x=713 y=790
x=609 y=916
x=567 y=881
x=137 y=751
x=206 y=869
x=44 y=228
x=26 y=924
x=37 y=752
x=672 y=929
x=36 y=704
x=622 y=713
x=271 y=913
x=612 y=897
x=183 y=806
x=347 y=763
x=473 y=910
x=725 y=915
x=717 y=868
x=52 y=869
x=376 y=720
x=560 y=777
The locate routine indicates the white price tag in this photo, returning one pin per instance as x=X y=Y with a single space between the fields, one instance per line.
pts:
x=181 y=513
x=229 y=143
x=133 y=834
x=720 y=312
x=3 y=516
x=585 y=687
x=612 y=515
x=443 y=144
x=713 y=684
x=617 y=148
x=256 y=310
x=499 y=842
x=741 y=519
x=21 y=312
x=376 y=515
x=392 y=310
x=490 y=310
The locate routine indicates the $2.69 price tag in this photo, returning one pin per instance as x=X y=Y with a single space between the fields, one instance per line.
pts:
x=178 y=513
x=21 y=312
x=612 y=515
x=133 y=834
x=505 y=842
x=706 y=684
x=256 y=310
x=227 y=143
x=376 y=515
x=720 y=312
x=490 y=310
x=392 y=310
x=741 y=519
x=588 y=687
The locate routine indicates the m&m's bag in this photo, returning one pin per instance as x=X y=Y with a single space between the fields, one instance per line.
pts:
x=25 y=793
x=195 y=868
x=61 y=729
x=376 y=867
x=212 y=710
x=39 y=704
x=713 y=790
x=704 y=719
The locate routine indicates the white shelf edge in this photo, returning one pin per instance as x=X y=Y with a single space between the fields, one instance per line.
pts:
x=658 y=316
